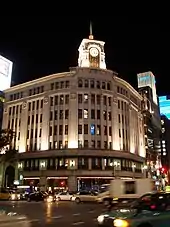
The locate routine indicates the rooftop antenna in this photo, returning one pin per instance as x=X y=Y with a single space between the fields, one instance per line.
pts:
x=91 y=32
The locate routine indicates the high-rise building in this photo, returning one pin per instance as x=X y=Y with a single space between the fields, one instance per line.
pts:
x=164 y=103
x=79 y=128
x=147 y=79
x=165 y=144
x=152 y=121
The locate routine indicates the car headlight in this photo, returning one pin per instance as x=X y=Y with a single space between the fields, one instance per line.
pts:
x=100 y=218
x=12 y=214
x=19 y=196
x=13 y=196
x=49 y=199
x=120 y=223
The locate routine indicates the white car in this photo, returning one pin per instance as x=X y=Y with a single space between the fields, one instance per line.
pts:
x=65 y=196
x=14 y=220
x=84 y=196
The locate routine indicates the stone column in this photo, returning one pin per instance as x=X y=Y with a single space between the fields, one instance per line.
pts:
x=73 y=122
x=1 y=174
x=23 y=127
x=115 y=124
x=101 y=122
x=103 y=166
x=72 y=183
x=5 y=117
x=45 y=124
x=16 y=171
x=43 y=183
x=90 y=164
x=142 y=150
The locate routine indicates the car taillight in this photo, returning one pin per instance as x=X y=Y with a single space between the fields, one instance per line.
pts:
x=153 y=207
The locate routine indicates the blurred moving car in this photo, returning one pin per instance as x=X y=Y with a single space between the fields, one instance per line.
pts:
x=65 y=196
x=24 y=195
x=13 y=219
x=24 y=191
x=49 y=197
x=4 y=194
x=36 y=196
x=150 y=210
x=14 y=196
x=84 y=196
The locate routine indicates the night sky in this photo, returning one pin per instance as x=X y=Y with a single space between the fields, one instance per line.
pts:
x=43 y=45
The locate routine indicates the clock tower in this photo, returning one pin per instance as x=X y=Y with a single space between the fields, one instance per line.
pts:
x=91 y=53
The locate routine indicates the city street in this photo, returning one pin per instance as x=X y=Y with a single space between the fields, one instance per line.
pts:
x=62 y=214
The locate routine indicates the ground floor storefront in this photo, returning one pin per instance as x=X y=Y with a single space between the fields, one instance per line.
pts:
x=67 y=183
x=78 y=169
x=71 y=183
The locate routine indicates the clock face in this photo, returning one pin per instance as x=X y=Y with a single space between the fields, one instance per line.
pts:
x=94 y=52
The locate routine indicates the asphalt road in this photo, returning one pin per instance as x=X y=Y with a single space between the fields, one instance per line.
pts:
x=59 y=214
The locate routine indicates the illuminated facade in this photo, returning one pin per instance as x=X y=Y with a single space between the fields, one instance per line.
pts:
x=165 y=146
x=77 y=128
x=152 y=121
x=164 y=103
x=165 y=143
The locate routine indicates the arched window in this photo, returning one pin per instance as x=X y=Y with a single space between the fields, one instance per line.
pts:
x=80 y=83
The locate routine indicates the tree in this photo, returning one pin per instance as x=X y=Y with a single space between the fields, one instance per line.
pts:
x=6 y=138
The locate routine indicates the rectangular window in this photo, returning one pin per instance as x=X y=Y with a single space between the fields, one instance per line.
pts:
x=92 y=129
x=130 y=187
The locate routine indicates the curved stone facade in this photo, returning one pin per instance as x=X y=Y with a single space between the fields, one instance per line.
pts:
x=84 y=123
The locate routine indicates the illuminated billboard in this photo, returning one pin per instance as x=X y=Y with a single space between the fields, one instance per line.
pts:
x=5 y=73
x=164 y=103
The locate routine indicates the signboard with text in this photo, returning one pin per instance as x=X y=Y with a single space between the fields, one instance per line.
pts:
x=5 y=73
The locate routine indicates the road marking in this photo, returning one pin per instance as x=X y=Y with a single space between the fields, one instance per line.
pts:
x=78 y=223
x=91 y=211
x=57 y=217
x=77 y=214
x=34 y=220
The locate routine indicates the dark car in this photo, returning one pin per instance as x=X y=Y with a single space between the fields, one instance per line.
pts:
x=36 y=196
x=150 y=210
